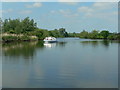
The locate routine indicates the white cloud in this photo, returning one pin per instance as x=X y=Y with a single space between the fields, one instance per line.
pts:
x=25 y=12
x=99 y=9
x=115 y=13
x=6 y=11
x=70 y=2
x=97 y=6
x=102 y=5
x=53 y=11
x=103 y=15
x=85 y=9
x=68 y=13
x=35 y=5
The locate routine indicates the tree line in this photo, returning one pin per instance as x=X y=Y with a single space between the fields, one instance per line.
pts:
x=96 y=34
x=28 y=27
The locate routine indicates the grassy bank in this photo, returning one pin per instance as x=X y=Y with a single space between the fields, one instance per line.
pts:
x=13 y=37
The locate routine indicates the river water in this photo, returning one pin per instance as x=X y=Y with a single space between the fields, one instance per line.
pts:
x=69 y=63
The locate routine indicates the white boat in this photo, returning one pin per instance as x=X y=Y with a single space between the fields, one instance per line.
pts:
x=50 y=39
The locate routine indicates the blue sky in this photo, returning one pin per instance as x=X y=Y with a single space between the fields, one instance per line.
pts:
x=74 y=16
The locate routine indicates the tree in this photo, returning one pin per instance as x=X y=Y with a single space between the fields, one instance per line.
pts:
x=11 y=31
x=94 y=34
x=6 y=25
x=105 y=34
x=28 y=25
x=55 y=33
x=19 y=26
x=62 y=32
x=83 y=34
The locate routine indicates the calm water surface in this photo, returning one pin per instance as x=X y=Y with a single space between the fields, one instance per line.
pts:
x=69 y=63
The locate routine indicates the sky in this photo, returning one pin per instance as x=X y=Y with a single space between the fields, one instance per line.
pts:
x=60 y=0
x=74 y=16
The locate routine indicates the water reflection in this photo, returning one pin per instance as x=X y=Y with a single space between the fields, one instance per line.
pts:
x=61 y=44
x=55 y=44
x=28 y=49
x=65 y=65
x=105 y=43
x=25 y=49
x=49 y=45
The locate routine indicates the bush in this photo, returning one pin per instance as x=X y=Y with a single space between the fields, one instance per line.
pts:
x=24 y=38
x=20 y=38
x=9 y=38
x=112 y=37
x=11 y=32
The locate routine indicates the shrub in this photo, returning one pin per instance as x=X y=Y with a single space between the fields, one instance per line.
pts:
x=11 y=32
x=24 y=38
x=9 y=38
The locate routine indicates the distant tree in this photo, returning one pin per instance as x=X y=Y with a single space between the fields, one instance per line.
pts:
x=19 y=26
x=112 y=37
x=62 y=32
x=6 y=25
x=93 y=34
x=55 y=33
x=66 y=34
x=83 y=34
x=28 y=27
x=118 y=36
x=39 y=34
x=105 y=34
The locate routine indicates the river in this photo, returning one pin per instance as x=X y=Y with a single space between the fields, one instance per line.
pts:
x=69 y=63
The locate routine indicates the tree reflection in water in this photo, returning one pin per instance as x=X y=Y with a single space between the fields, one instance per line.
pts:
x=105 y=43
x=61 y=44
x=24 y=49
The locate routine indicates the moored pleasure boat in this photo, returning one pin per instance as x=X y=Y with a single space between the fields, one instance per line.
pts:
x=50 y=39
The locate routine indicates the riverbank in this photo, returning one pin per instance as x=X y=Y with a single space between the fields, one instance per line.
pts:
x=20 y=37
x=41 y=34
x=9 y=38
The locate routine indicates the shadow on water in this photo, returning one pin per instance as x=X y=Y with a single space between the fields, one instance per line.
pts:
x=24 y=49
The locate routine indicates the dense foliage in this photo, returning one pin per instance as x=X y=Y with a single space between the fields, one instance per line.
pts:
x=18 y=26
x=28 y=27
x=95 y=34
